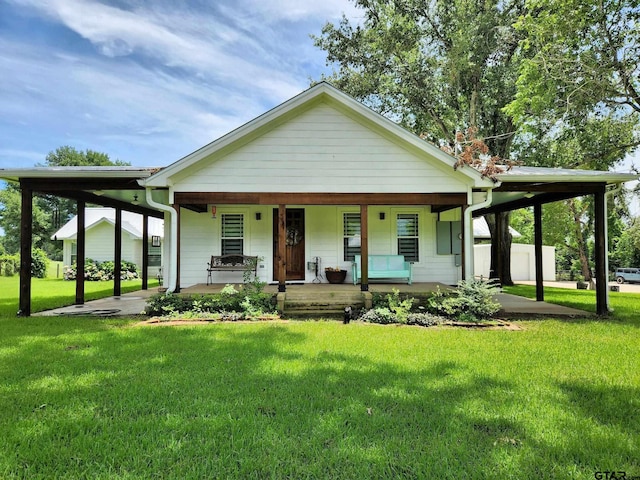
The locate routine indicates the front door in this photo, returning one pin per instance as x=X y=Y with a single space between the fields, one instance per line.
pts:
x=295 y=244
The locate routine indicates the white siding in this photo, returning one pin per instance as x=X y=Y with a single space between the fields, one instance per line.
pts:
x=321 y=150
x=200 y=238
x=523 y=262
x=100 y=246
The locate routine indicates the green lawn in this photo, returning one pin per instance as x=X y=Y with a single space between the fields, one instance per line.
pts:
x=100 y=398
x=49 y=293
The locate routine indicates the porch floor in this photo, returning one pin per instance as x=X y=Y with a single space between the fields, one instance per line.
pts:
x=135 y=302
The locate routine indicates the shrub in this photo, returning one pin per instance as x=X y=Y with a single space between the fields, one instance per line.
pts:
x=95 y=271
x=381 y=315
x=472 y=300
x=424 y=319
x=228 y=304
x=9 y=265
x=400 y=308
x=167 y=303
x=39 y=263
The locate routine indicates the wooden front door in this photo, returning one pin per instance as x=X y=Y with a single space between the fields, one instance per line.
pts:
x=295 y=244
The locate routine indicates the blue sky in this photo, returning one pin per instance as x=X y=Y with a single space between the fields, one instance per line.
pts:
x=149 y=81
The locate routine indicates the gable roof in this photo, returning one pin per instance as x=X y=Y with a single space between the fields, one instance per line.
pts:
x=300 y=103
x=131 y=223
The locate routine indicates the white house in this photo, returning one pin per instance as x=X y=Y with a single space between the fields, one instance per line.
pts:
x=319 y=176
x=100 y=238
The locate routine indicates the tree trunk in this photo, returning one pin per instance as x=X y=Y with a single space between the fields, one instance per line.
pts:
x=583 y=254
x=500 y=247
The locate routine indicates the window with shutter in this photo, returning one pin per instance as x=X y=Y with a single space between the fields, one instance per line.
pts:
x=232 y=234
x=351 y=238
x=408 y=236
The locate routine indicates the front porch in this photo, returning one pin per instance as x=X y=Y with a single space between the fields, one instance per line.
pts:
x=327 y=299
x=333 y=296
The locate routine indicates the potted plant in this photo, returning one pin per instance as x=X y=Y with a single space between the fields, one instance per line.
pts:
x=335 y=274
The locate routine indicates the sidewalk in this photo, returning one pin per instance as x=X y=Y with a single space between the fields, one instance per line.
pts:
x=126 y=305
x=625 y=287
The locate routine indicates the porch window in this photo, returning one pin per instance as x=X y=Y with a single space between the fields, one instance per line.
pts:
x=351 y=238
x=74 y=253
x=407 y=233
x=154 y=257
x=232 y=234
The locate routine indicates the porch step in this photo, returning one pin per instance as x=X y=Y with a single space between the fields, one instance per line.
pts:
x=319 y=304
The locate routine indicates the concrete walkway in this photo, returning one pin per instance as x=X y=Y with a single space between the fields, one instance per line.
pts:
x=128 y=304
x=134 y=304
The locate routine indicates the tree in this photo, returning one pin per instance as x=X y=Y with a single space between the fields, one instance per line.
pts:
x=581 y=54
x=436 y=67
x=577 y=102
x=10 y=204
x=49 y=212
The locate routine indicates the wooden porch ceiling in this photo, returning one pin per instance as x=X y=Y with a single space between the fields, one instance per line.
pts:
x=513 y=196
x=203 y=198
x=83 y=189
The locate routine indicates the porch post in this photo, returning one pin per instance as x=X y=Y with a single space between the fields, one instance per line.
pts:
x=498 y=245
x=178 y=210
x=537 y=227
x=463 y=230
x=80 y=251
x=602 y=283
x=26 y=230
x=282 y=248
x=145 y=252
x=117 y=261
x=364 y=247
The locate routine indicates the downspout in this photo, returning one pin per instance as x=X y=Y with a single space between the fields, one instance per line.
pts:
x=606 y=235
x=468 y=239
x=173 y=248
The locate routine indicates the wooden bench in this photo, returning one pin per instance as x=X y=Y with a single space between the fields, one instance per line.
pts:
x=231 y=263
x=383 y=266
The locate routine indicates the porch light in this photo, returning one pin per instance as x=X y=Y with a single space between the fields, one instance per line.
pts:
x=135 y=200
x=258 y=215
x=382 y=215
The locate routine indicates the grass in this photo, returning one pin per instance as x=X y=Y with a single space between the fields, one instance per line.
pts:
x=49 y=293
x=625 y=306
x=102 y=398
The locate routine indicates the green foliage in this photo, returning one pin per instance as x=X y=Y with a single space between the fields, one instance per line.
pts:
x=381 y=315
x=95 y=271
x=39 y=263
x=471 y=300
x=49 y=212
x=228 y=304
x=522 y=222
x=10 y=207
x=399 y=307
x=435 y=69
x=391 y=308
x=9 y=265
x=626 y=251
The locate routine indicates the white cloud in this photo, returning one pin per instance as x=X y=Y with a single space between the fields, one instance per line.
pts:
x=152 y=80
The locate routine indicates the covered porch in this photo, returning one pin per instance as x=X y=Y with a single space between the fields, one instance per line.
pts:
x=132 y=304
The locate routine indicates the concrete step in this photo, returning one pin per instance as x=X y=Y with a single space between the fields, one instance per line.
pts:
x=326 y=304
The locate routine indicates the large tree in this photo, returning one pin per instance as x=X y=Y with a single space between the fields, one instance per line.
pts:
x=437 y=67
x=577 y=102
x=49 y=212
